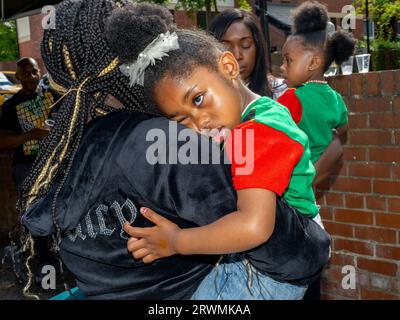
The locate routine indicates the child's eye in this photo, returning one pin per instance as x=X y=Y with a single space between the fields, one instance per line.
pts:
x=197 y=101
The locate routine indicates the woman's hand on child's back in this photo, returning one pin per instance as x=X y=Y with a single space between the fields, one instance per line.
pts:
x=152 y=243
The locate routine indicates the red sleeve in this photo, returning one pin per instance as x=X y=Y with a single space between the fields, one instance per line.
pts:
x=292 y=102
x=262 y=157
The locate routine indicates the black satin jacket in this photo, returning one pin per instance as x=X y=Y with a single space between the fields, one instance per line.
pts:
x=113 y=174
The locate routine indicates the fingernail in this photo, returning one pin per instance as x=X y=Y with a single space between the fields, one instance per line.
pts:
x=143 y=210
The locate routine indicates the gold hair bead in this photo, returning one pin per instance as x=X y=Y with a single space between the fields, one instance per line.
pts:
x=109 y=68
x=68 y=63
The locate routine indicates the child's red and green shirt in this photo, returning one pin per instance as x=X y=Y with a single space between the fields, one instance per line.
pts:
x=278 y=155
x=317 y=109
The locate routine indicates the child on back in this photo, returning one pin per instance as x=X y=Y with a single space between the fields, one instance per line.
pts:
x=317 y=109
x=193 y=81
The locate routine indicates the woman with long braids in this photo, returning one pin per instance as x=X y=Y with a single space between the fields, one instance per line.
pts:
x=97 y=174
x=85 y=71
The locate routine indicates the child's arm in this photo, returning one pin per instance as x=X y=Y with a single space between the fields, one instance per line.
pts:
x=328 y=161
x=251 y=225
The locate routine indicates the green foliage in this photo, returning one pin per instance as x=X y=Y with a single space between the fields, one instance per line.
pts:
x=243 y=4
x=385 y=49
x=8 y=41
x=383 y=12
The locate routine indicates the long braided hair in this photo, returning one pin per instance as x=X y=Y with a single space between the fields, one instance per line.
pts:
x=82 y=65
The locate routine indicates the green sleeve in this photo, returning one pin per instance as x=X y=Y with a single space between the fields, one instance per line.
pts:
x=343 y=119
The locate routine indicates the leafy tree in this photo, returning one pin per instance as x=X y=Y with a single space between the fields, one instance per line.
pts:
x=384 y=12
x=8 y=41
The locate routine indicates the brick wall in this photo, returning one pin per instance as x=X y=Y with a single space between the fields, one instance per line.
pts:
x=361 y=210
x=8 y=196
x=31 y=48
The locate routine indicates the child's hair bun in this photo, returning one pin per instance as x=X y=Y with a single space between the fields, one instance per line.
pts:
x=129 y=30
x=340 y=46
x=310 y=16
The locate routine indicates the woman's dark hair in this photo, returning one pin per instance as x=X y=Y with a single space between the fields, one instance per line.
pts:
x=221 y=23
x=310 y=21
x=77 y=55
x=81 y=63
x=196 y=48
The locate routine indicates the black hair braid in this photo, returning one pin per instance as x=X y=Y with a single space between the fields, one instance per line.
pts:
x=75 y=51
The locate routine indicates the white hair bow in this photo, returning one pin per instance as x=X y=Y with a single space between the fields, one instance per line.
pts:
x=157 y=49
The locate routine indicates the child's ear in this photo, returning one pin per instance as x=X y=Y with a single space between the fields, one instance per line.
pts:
x=228 y=65
x=315 y=63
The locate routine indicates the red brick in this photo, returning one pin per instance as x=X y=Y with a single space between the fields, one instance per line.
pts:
x=362 y=279
x=342 y=85
x=373 y=137
x=319 y=196
x=396 y=105
x=356 y=84
x=333 y=274
x=371 y=84
x=326 y=213
x=393 y=204
x=358 y=121
x=369 y=170
x=397 y=79
x=375 y=234
x=396 y=171
x=353 y=216
x=381 y=282
x=378 y=295
x=352 y=185
x=331 y=82
x=397 y=136
x=352 y=246
x=388 y=220
x=387 y=82
x=388 y=252
x=342 y=259
x=371 y=104
x=339 y=229
x=377 y=266
x=386 y=187
x=334 y=199
x=326 y=296
x=375 y=202
x=336 y=287
x=384 y=120
x=390 y=154
x=354 y=201
x=396 y=285
x=354 y=153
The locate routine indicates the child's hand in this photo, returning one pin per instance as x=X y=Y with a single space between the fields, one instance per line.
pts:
x=155 y=242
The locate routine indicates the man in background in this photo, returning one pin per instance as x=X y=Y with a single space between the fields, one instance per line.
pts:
x=22 y=118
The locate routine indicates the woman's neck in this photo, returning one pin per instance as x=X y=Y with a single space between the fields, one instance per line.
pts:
x=247 y=96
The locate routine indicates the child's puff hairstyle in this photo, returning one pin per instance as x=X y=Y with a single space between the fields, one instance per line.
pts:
x=196 y=48
x=310 y=21
x=220 y=24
